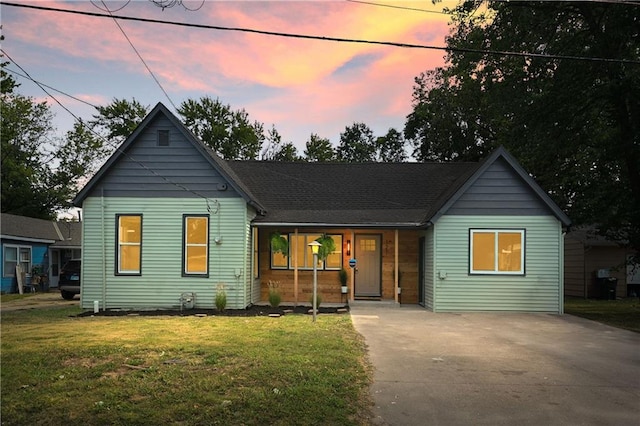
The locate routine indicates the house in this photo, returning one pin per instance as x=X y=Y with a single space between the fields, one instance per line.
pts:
x=40 y=246
x=166 y=217
x=591 y=259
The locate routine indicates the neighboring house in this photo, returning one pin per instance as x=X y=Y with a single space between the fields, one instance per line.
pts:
x=166 y=216
x=588 y=255
x=40 y=246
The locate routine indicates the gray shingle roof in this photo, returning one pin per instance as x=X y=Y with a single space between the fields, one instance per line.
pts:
x=29 y=228
x=361 y=194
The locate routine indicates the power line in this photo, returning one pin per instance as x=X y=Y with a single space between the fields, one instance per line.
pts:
x=141 y=59
x=336 y=39
x=398 y=7
x=107 y=141
x=52 y=88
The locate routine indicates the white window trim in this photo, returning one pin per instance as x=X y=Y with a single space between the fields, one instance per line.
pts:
x=495 y=271
x=18 y=248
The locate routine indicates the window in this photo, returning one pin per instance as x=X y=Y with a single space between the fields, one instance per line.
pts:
x=163 y=138
x=196 y=246
x=14 y=255
x=496 y=251
x=305 y=255
x=129 y=255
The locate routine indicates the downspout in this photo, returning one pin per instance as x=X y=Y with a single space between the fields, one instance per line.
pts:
x=104 y=254
x=561 y=273
x=395 y=268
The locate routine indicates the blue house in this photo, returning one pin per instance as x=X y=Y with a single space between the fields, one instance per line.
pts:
x=40 y=247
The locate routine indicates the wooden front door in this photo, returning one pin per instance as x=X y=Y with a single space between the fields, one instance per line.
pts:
x=368 y=276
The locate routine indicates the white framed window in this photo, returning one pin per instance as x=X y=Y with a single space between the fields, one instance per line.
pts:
x=196 y=245
x=497 y=251
x=129 y=245
x=14 y=254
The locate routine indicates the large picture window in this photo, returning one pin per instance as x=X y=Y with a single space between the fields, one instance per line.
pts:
x=196 y=246
x=129 y=238
x=300 y=244
x=496 y=251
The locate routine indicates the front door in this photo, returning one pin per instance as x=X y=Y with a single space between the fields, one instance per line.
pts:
x=368 y=252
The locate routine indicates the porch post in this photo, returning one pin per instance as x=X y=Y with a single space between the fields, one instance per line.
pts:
x=295 y=267
x=352 y=290
x=395 y=278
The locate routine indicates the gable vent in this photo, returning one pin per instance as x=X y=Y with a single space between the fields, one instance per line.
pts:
x=163 y=138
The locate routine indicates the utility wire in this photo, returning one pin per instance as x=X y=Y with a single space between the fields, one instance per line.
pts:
x=108 y=142
x=52 y=88
x=336 y=39
x=398 y=7
x=141 y=59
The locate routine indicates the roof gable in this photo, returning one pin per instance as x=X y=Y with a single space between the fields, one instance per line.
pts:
x=525 y=194
x=122 y=154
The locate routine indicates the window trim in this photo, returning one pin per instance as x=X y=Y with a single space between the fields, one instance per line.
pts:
x=18 y=248
x=185 y=217
x=117 y=271
x=497 y=232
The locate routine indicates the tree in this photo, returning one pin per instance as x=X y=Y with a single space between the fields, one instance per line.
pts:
x=574 y=124
x=357 y=144
x=39 y=170
x=275 y=150
x=229 y=133
x=119 y=119
x=391 y=147
x=319 y=149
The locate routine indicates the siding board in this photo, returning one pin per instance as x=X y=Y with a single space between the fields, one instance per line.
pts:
x=161 y=281
x=537 y=291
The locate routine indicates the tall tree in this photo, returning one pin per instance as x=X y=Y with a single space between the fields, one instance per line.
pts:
x=357 y=144
x=319 y=149
x=229 y=133
x=391 y=147
x=39 y=170
x=574 y=124
x=119 y=119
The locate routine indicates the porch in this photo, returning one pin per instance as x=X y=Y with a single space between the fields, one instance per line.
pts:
x=386 y=265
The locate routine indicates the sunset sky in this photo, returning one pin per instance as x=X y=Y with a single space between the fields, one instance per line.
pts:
x=300 y=86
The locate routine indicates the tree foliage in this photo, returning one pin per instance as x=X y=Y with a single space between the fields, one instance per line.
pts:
x=574 y=124
x=119 y=119
x=357 y=144
x=39 y=170
x=319 y=149
x=229 y=133
x=391 y=147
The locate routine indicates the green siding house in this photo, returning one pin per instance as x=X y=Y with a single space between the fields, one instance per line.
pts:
x=168 y=224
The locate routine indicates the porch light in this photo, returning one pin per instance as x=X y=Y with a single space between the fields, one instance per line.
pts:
x=314 y=249
x=348 y=247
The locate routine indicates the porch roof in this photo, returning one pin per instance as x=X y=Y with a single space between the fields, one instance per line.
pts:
x=348 y=194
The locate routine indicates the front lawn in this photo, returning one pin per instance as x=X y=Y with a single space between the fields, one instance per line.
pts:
x=622 y=313
x=141 y=370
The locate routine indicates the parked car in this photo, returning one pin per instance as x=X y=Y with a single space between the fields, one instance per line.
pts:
x=69 y=281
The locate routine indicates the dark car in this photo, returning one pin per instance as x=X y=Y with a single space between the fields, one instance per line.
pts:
x=69 y=281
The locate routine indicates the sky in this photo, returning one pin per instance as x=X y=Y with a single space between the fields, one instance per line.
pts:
x=299 y=86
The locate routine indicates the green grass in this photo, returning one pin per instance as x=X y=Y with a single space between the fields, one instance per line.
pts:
x=138 y=370
x=9 y=297
x=623 y=313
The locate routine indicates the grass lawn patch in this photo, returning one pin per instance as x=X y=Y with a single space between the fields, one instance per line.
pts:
x=142 y=370
x=622 y=313
x=14 y=296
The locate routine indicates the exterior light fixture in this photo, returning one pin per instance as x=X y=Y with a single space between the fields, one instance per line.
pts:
x=348 y=247
x=314 y=249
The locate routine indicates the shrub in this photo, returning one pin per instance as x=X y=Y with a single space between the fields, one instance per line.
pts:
x=221 y=298
x=274 y=294
x=318 y=300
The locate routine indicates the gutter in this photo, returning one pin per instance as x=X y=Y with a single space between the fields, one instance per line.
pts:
x=412 y=225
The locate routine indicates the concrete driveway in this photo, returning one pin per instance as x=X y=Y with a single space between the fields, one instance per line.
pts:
x=499 y=369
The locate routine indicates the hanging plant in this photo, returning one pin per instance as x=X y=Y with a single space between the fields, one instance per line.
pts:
x=327 y=246
x=279 y=244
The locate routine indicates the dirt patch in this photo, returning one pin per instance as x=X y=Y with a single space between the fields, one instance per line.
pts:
x=251 y=311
